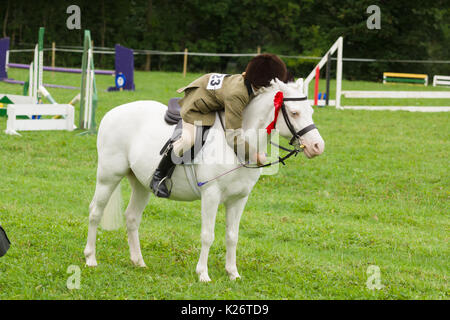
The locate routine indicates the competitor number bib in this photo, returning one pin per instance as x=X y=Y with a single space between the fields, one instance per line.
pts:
x=215 y=81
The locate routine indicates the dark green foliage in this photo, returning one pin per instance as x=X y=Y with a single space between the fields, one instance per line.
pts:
x=409 y=30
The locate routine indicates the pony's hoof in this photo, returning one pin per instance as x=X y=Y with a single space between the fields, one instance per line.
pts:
x=233 y=276
x=91 y=262
x=139 y=263
x=204 y=277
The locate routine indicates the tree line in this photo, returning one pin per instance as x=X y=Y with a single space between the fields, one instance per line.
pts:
x=409 y=30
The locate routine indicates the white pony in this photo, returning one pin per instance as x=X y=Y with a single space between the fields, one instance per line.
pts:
x=129 y=139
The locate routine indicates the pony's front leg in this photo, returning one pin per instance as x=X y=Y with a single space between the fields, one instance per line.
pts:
x=234 y=209
x=210 y=204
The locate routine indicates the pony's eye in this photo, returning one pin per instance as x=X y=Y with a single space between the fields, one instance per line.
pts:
x=294 y=113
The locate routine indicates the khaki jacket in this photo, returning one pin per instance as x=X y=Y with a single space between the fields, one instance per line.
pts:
x=215 y=92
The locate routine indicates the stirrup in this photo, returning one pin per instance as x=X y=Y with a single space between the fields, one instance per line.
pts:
x=167 y=185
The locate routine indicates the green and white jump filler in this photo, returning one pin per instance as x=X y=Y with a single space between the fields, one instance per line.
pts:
x=38 y=116
x=54 y=116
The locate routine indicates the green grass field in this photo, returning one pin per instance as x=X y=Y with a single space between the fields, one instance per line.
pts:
x=379 y=195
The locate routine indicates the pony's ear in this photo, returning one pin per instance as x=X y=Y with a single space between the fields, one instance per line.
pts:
x=299 y=84
x=278 y=81
x=280 y=84
x=275 y=83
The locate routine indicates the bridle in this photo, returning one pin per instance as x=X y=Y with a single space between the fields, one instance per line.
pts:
x=296 y=135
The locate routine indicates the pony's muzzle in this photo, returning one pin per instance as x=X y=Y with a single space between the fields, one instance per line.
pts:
x=314 y=148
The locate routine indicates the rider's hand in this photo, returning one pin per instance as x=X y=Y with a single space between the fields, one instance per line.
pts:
x=260 y=158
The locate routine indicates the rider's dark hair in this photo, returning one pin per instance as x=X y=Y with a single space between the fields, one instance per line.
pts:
x=263 y=68
x=289 y=77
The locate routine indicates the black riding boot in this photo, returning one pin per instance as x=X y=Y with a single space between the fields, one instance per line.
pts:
x=162 y=175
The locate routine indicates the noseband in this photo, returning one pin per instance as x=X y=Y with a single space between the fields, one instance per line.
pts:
x=296 y=135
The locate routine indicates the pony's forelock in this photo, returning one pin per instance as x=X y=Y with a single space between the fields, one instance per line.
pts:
x=277 y=85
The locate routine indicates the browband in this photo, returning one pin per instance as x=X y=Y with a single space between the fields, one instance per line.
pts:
x=295 y=99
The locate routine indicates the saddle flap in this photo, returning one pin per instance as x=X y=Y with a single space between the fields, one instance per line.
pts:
x=172 y=115
x=174 y=107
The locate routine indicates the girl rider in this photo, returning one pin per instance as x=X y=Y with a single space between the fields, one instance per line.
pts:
x=218 y=92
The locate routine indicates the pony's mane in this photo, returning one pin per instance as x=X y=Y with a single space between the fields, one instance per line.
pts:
x=277 y=85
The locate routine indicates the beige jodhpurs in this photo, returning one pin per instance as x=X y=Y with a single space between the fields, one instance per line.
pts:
x=186 y=140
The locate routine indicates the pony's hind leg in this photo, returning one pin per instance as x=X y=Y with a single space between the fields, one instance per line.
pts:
x=106 y=184
x=210 y=204
x=139 y=199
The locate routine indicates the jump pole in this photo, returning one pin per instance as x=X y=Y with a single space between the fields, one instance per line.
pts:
x=88 y=94
x=36 y=68
x=31 y=81
x=124 y=64
x=40 y=61
x=337 y=46
x=34 y=75
x=327 y=99
x=340 y=48
x=316 y=86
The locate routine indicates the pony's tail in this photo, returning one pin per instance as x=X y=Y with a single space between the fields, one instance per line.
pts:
x=113 y=215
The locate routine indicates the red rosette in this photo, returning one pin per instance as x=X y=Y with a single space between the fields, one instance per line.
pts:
x=277 y=103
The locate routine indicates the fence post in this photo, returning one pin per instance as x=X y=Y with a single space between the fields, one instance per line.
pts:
x=148 y=62
x=53 y=55
x=185 y=62
x=258 y=50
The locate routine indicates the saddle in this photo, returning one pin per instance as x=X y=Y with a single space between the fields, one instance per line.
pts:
x=173 y=118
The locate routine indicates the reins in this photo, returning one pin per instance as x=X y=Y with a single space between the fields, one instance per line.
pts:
x=292 y=152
